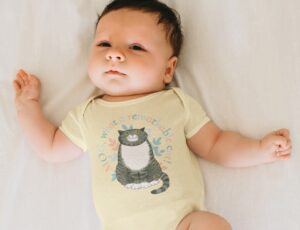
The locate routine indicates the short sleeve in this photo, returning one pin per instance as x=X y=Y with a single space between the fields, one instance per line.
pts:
x=71 y=126
x=196 y=117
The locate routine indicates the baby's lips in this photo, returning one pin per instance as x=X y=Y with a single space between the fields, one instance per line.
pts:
x=115 y=72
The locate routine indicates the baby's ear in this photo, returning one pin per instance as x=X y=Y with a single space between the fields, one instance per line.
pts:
x=171 y=66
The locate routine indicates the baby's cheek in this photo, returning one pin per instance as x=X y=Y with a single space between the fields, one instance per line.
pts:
x=90 y=67
x=94 y=69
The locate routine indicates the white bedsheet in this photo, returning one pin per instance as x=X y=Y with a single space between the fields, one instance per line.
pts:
x=241 y=60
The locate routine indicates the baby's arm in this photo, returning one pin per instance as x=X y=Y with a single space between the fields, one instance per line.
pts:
x=234 y=150
x=45 y=139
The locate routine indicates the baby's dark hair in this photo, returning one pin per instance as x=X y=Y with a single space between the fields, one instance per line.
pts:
x=166 y=15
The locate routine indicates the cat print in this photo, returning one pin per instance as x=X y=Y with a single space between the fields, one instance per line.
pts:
x=137 y=167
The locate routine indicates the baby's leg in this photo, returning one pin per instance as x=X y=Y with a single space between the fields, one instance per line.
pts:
x=203 y=220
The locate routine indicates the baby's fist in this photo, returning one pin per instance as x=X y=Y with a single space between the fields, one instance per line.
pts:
x=277 y=144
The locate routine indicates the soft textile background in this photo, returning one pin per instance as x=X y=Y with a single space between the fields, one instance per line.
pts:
x=241 y=60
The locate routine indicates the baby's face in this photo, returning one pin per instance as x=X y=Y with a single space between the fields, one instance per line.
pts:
x=130 y=54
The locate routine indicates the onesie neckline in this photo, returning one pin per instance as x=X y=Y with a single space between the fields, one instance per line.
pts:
x=130 y=101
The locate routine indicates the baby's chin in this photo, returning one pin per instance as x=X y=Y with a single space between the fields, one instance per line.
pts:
x=118 y=92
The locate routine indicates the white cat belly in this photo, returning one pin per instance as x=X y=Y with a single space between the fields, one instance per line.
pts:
x=136 y=157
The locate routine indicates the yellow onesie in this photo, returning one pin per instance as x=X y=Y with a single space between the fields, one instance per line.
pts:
x=143 y=174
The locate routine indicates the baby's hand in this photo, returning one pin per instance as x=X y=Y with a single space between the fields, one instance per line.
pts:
x=27 y=87
x=277 y=145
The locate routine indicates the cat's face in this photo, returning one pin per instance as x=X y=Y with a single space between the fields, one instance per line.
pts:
x=132 y=137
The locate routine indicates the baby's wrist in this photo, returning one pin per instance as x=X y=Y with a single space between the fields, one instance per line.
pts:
x=25 y=105
x=258 y=146
x=264 y=145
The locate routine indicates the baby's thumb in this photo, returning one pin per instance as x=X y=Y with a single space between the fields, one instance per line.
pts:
x=282 y=132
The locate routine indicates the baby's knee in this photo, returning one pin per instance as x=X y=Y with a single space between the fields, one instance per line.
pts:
x=204 y=220
x=212 y=221
x=219 y=223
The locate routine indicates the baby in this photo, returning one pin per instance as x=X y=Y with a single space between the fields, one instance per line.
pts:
x=142 y=137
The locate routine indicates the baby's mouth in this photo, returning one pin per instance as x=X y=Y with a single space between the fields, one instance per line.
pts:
x=115 y=72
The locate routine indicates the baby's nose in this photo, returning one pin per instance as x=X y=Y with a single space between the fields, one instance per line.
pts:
x=115 y=55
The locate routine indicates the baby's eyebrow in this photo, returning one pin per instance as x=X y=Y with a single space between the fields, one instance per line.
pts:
x=101 y=37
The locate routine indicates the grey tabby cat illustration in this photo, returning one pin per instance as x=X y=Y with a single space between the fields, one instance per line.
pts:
x=137 y=167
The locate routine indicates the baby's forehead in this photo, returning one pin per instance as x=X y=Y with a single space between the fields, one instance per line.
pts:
x=144 y=21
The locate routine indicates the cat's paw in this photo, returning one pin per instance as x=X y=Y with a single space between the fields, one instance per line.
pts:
x=142 y=185
x=136 y=186
x=154 y=182
x=131 y=186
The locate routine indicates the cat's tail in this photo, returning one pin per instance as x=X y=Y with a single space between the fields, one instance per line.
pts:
x=166 y=183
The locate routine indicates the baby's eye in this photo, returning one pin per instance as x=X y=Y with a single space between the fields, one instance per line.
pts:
x=137 y=47
x=104 y=44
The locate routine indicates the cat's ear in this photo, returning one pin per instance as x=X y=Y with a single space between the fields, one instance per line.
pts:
x=120 y=132
x=142 y=129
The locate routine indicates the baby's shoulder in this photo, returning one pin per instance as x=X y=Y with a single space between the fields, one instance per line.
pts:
x=182 y=96
x=79 y=110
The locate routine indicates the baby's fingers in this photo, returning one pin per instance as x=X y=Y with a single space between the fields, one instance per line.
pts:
x=284 y=152
x=33 y=80
x=22 y=78
x=285 y=157
x=288 y=145
x=25 y=79
x=279 y=141
x=16 y=86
